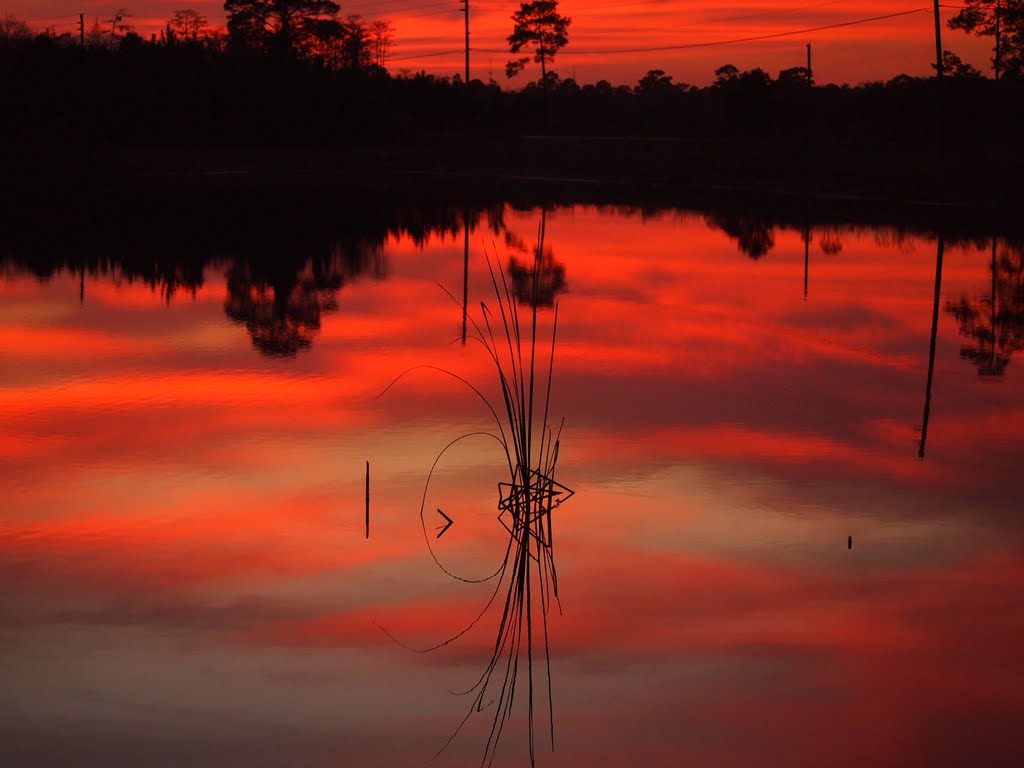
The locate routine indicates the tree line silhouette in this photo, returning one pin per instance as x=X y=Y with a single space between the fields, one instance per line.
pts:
x=309 y=77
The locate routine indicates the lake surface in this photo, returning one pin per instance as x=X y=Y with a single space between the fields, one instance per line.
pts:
x=793 y=541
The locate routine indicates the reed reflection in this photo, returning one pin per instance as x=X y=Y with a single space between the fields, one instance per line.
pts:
x=526 y=581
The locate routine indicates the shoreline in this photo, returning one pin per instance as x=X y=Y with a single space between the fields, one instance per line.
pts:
x=889 y=184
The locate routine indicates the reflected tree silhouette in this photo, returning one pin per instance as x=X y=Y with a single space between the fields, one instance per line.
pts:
x=281 y=304
x=281 y=312
x=831 y=241
x=994 y=323
x=755 y=237
x=538 y=284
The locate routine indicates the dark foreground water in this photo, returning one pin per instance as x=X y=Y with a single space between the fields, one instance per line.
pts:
x=793 y=541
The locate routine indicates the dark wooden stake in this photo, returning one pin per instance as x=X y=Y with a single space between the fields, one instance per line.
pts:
x=367 y=499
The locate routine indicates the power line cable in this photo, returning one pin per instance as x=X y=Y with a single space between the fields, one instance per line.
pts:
x=682 y=46
x=358 y=11
x=377 y=5
x=424 y=55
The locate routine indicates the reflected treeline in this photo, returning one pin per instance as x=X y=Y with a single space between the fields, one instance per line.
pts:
x=288 y=254
x=993 y=320
x=755 y=232
x=285 y=263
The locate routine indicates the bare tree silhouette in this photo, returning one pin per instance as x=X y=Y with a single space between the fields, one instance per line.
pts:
x=188 y=24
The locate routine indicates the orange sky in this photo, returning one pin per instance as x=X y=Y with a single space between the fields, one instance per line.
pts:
x=424 y=28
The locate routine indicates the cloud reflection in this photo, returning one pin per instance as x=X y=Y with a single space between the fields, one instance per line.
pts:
x=195 y=507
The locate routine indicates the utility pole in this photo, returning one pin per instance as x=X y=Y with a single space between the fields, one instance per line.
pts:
x=81 y=29
x=810 y=80
x=465 y=9
x=940 y=125
x=998 y=35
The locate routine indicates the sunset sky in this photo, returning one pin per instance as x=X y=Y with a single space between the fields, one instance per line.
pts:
x=604 y=35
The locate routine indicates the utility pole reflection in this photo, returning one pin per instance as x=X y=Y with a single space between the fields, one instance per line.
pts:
x=931 y=349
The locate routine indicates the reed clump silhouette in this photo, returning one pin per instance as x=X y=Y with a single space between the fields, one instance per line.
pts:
x=526 y=581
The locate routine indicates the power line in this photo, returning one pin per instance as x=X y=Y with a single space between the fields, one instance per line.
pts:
x=376 y=10
x=682 y=46
x=424 y=55
x=612 y=6
x=372 y=6
x=449 y=11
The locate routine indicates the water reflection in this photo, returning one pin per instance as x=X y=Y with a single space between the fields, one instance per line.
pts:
x=994 y=323
x=526 y=581
x=940 y=248
x=281 y=278
x=182 y=530
x=539 y=283
x=829 y=242
x=280 y=299
x=754 y=235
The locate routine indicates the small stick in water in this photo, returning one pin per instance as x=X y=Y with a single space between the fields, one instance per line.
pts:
x=367 y=499
x=849 y=539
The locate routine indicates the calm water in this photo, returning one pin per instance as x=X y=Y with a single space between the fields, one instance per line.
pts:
x=185 y=577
